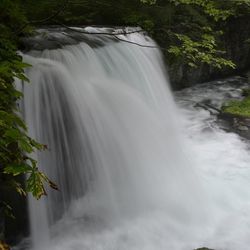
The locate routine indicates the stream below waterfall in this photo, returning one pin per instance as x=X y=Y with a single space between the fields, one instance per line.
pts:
x=135 y=170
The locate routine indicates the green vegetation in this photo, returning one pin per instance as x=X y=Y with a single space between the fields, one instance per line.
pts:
x=189 y=31
x=239 y=107
x=15 y=144
x=246 y=92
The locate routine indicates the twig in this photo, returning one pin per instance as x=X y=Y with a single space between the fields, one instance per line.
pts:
x=212 y=107
x=114 y=35
x=207 y=107
x=99 y=33
x=44 y=20
x=138 y=44
x=86 y=32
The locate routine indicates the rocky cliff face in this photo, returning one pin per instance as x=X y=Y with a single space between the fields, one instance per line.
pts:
x=237 y=124
x=1 y=212
x=237 y=49
x=1 y=224
x=237 y=32
x=13 y=229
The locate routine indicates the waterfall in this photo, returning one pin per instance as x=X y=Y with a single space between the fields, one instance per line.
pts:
x=105 y=110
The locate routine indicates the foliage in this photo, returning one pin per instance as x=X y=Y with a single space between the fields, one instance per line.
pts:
x=148 y=1
x=15 y=144
x=210 y=7
x=202 y=51
x=246 y=92
x=190 y=31
x=194 y=33
x=239 y=107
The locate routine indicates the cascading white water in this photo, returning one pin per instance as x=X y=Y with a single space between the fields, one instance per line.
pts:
x=105 y=110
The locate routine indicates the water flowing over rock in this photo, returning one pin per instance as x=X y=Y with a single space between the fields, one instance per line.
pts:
x=119 y=155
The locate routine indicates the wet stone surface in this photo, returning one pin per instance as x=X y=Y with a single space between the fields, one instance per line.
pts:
x=207 y=99
x=237 y=124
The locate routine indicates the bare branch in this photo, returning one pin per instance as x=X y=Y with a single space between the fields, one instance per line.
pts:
x=99 y=33
x=114 y=35
x=138 y=44
x=59 y=11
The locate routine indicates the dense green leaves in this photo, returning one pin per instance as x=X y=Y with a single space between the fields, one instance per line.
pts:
x=212 y=8
x=202 y=51
x=163 y=19
x=15 y=144
x=190 y=31
x=148 y=1
x=239 y=107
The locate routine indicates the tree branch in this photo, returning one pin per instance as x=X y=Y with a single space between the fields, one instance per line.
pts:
x=114 y=35
x=44 y=20
x=99 y=33
x=138 y=44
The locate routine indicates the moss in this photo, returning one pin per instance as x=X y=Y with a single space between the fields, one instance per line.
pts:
x=239 y=107
x=246 y=92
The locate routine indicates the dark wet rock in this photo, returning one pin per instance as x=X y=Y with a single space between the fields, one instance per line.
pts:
x=23 y=245
x=234 y=42
x=1 y=224
x=243 y=128
x=1 y=211
x=236 y=123
x=13 y=230
x=181 y=75
x=55 y=37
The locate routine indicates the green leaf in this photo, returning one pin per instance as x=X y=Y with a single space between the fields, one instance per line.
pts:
x=13 y=133
x=7 y=210
x=25 y=145
x=17 y=186
x=17 y=169
x=35 y=185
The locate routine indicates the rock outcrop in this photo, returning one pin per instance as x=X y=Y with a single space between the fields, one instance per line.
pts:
x=237 y=49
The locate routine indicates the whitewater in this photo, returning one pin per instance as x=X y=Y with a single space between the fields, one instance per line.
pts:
x=138 y=168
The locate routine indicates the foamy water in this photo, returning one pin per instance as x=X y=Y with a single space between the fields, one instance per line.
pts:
x=135 y=170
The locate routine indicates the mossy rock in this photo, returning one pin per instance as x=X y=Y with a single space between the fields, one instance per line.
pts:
x=236 y=114
x=246 y=92
x=239 y=108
